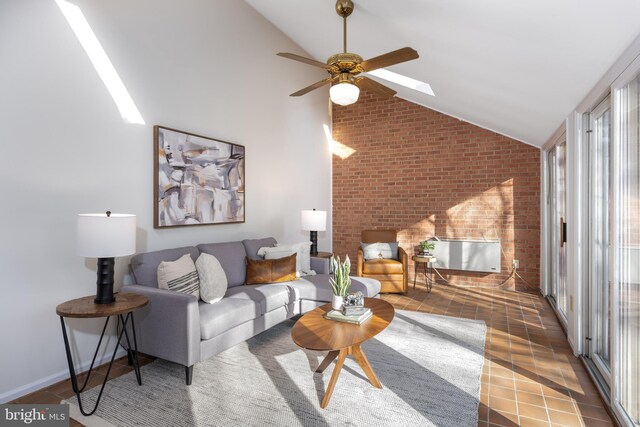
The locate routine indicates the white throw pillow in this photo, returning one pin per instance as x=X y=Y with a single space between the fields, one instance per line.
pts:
x=179 y=276
x=379 y=250
x=302 y=251
x=213 y=279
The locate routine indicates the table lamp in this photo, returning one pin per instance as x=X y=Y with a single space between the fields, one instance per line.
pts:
x=105 y=236
x=314 y=221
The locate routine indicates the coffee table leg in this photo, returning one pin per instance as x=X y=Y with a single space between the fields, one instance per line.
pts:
x=327 y=360
x=334 y=377
x=365 y=365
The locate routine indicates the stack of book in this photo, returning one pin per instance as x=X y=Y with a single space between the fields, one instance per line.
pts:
x=356 y=317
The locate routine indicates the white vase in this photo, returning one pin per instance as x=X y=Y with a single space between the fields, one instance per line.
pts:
x=336 y=302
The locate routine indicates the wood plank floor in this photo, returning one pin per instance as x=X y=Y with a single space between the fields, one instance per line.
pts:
x=530 y=376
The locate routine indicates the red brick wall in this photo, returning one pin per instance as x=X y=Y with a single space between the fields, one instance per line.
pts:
x=424 y=173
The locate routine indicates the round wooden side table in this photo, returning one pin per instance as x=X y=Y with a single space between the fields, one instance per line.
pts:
x=313 y=332
x=427 y=264
x=123 y=307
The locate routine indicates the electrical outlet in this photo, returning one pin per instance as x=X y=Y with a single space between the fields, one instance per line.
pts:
x=515 y=263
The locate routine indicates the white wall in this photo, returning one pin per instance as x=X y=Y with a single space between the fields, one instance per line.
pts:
x=203 y=66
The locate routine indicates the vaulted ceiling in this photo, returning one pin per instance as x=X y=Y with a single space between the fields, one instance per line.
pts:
x=515 y=67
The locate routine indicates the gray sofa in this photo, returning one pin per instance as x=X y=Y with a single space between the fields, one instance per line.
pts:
x=182 y=329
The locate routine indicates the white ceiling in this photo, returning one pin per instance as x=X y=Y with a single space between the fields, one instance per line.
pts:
x=515 y=67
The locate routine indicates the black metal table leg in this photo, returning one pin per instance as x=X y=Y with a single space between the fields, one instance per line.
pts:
x=415 y=273
x=431 y=280
x=426 y=279
x=134 y=357
x=72 y=372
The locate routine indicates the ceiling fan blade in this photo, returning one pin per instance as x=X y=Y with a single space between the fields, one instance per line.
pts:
x=390 y=58
x=375 y=87
x=314 y=86
x=303 y=59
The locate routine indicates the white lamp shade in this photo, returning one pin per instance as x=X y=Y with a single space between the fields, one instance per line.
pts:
x=314 y=220
x=102 y=236
x=344 y=93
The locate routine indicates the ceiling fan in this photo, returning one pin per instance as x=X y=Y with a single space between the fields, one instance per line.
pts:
x=344 y=67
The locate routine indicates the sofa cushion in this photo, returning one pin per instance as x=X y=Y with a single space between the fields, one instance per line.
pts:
x=270 y=270
x=144 y=266
x=266 y=297
x=251 y=246
x=231 y=256
x=382 y=266
x=317 y=288
x=224 y=315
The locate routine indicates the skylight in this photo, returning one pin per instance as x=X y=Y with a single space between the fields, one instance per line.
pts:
x=337 y=148
x=101 y=62
x=403 y=81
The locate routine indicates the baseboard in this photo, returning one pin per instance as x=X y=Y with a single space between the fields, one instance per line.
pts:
x=52 y=379
x=572 y=345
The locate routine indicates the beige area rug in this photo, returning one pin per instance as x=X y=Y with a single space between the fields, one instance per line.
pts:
x=429 y=365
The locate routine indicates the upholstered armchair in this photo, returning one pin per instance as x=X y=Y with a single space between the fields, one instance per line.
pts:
x=391 y=273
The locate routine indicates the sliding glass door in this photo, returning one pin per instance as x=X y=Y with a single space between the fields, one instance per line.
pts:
x=626 y=257
x=556 y=205
x=599 y=293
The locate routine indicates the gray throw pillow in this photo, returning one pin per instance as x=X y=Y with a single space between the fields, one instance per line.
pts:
x=380 y=250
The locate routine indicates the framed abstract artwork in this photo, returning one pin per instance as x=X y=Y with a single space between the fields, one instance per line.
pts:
x=197 y=180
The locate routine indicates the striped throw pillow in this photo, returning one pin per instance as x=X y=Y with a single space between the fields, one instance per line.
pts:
x=179 y=276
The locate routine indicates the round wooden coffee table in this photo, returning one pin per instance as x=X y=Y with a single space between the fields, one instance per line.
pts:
x=313 y=332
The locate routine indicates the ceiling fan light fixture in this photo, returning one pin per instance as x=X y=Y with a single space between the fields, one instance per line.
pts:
x=344 y=67
x=344 y=93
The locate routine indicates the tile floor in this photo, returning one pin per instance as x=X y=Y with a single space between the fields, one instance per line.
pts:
x=530 y=376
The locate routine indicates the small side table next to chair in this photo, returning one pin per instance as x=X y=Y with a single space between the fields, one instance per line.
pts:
x=122 y=308
x=427 y=269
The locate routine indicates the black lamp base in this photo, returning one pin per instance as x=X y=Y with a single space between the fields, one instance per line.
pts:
x=313 y=236
x=104 y=293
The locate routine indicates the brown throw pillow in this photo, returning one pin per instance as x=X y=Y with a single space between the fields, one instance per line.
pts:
x=270 y=270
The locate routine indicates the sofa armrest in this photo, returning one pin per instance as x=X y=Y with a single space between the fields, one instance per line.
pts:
x=320 y=265
x=169 y=326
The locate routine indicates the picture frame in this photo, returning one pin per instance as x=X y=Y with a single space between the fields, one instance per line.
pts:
x=198 y=180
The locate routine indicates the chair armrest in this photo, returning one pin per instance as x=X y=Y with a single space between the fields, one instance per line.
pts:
x=360 y=262
x=320 y=265
x=404 y=259
x=169 y=326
